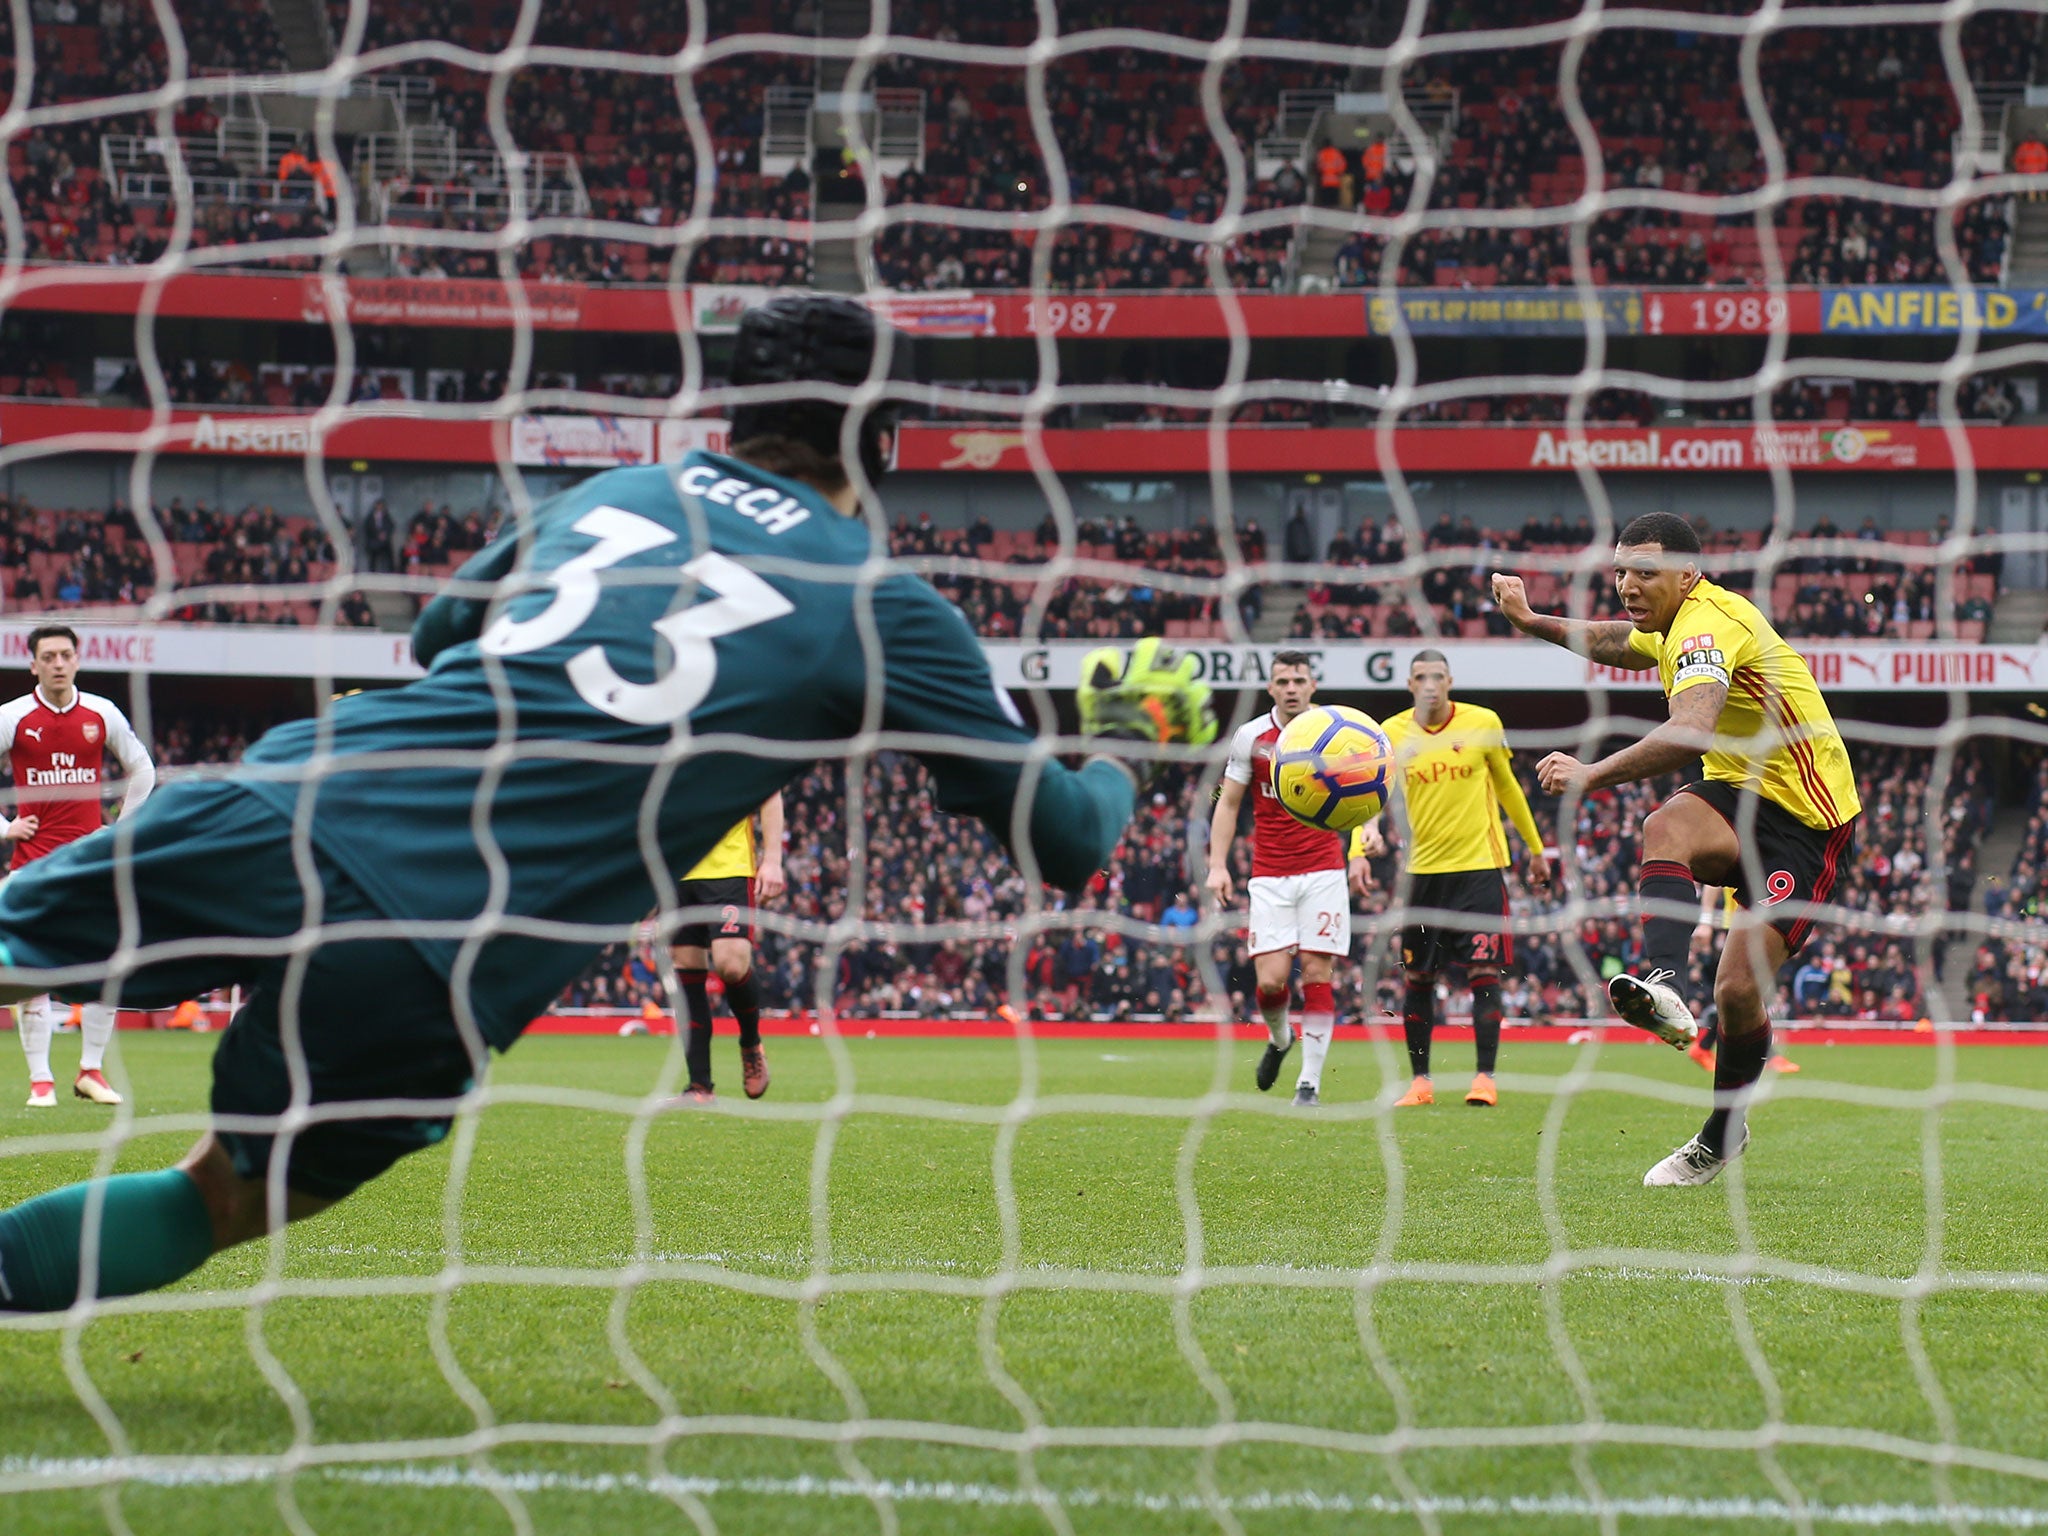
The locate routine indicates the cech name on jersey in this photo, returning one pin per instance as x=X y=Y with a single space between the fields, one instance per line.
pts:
x=770 y=510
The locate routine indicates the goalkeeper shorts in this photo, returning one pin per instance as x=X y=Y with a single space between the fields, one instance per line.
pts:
x=210 y=865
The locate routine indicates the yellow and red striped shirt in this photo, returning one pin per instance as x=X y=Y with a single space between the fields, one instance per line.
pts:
x=1775 y=733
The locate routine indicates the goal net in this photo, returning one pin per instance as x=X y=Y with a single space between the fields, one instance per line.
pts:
x=1013 y=1243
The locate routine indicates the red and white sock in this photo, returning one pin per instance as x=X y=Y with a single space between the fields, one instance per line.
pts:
x=1318 y=1019
x=1273 y=1009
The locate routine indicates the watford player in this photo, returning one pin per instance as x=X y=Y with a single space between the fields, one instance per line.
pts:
x=1455 y=776
x=1774 y=819
x=725 y=880
x=57 y=740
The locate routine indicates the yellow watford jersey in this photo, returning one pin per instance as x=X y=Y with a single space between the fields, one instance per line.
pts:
x=732 y=859
x=1455 y=781
x=1775 y=733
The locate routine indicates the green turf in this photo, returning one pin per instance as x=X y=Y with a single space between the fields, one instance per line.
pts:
x=1292 y=1208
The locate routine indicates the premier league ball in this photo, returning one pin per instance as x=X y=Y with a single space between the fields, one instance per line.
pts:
x=1330 y=767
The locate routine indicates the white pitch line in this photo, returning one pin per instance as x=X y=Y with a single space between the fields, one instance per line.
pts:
x=229 y=1472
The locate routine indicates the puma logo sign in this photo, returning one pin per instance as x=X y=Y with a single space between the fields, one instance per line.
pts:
x=1306 y=1035
x=33 y=730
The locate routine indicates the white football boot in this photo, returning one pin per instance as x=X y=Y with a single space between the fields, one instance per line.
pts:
x=1691 y=1164
x=1648 y=1003
x=42 y=1095
x=94 y=1088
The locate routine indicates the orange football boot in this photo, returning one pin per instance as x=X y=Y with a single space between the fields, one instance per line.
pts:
x=1482 y=1090
x=1419 y=1092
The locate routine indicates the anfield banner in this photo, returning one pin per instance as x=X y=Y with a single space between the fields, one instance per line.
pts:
x=1934 y=311
x=407 y=431
x=1351 y=666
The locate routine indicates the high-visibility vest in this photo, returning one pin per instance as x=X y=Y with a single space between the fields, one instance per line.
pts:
x=1330 y=164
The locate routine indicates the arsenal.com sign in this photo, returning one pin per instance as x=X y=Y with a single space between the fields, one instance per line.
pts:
x=1831 y=447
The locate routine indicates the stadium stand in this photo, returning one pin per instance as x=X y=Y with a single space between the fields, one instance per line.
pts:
x=53 y=558
x=52 y=561
x=1130 y=132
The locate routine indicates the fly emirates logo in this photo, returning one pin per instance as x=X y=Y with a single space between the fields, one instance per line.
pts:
x=1639 y=450
x=63 y=769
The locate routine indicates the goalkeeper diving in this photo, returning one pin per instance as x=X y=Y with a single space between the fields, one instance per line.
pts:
x=611 y=686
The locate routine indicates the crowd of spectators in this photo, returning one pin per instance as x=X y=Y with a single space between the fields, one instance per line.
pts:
x=1129 y=130
x=1823 y=595
x=1076 y=959
x=1364 y=583
x=1087 y=607
x=949 y=914
x=53 y=559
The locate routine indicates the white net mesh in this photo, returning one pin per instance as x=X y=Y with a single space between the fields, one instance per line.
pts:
x=1033 y=1281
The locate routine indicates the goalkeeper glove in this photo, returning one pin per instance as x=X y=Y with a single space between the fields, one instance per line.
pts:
x=1148 y=695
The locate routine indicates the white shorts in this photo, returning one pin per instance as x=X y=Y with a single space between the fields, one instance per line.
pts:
x=1309 y=912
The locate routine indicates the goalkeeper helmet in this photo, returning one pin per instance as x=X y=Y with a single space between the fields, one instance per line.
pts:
x=814 y=337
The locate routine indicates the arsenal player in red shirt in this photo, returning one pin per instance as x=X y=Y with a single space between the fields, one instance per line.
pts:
x=1299 y=899
x=57 y=740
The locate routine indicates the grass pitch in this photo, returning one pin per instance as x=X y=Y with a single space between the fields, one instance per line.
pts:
x=1474 y=1319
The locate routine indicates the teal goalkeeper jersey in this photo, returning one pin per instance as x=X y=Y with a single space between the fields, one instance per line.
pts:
x=672 y=644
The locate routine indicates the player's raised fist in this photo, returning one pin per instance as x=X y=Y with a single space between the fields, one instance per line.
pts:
x=1559 y=772
x=1511 y=598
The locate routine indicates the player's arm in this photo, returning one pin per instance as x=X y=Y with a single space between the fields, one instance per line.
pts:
x=1500 y=765
x=1603 y=640
x=454 y=616
x=1366 y=845
x=1677 y=742
x=768 y=884
x=131 y=754
x=936 y=683
x=1222 y=833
